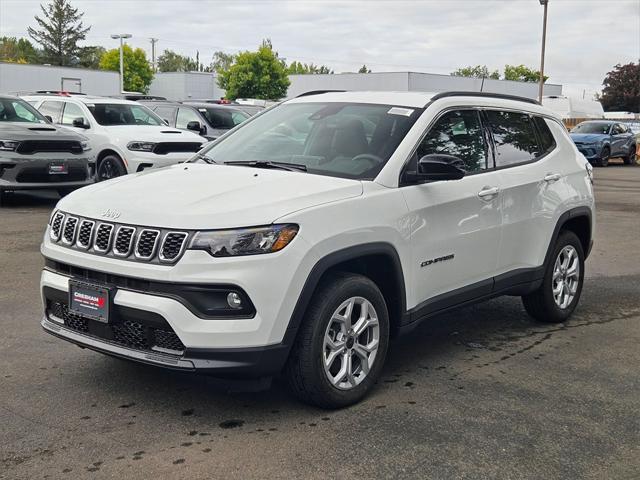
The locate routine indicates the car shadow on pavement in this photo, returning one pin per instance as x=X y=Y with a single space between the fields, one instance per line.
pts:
x=36 y=198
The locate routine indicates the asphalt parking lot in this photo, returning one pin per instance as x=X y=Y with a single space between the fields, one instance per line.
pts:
x=482 y=392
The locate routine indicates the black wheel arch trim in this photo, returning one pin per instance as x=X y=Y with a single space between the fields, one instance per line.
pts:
x=571 y=214
x=333 y=259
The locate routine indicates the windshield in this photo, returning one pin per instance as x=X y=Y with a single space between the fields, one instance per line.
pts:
x=592 y=127
x=16 y=110
x=349 y=140
x=223 y=118
x=123 y=114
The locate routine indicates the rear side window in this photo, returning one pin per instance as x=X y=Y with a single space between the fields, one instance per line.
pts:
x=547 y=142
x=514 y=136
x=52 y=109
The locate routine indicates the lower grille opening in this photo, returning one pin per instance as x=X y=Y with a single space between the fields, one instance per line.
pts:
x=138 y=334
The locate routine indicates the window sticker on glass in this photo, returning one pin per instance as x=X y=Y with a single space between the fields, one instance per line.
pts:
x=406 y=112
x=459 y=128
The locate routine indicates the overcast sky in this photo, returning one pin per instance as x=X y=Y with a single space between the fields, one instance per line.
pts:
x=585 y=37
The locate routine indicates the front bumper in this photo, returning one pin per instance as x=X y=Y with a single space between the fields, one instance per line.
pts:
x=30 y=173
x=139 y=161
x=590 y=152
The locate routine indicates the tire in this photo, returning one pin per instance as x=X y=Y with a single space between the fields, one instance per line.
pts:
x=630 y=159
x=305 y=372
x=111 y=166
x=603 y=161
x=542 y=304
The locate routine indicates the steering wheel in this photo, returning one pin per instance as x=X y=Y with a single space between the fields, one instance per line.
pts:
x=374 y=160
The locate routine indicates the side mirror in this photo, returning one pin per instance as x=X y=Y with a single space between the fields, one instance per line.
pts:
x=195 y=126
x=166 y=122
x=437 y=166
x=79 y=123
x=49 y=117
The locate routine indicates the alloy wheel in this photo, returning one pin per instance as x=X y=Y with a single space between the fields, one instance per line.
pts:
x=566 y=276
x=351 y=343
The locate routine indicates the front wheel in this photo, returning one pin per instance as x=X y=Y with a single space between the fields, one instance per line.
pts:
x=556 y=299
x=603 y=161
x=342 y=344
x=630 y=159
x=110 y=167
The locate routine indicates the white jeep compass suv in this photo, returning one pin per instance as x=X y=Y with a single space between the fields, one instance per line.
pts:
x=314 y=233
x=125 y=137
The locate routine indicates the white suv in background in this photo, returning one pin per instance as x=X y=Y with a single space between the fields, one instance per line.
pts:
x=317 y=231
x=126 y=137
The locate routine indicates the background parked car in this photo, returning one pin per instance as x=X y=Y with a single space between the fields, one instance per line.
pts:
x=126 y=136
x=600 y=140
x=37 y=155
x=250 y=109
x=207 y=119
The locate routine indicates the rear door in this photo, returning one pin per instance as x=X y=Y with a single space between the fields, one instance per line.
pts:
x=618 y=140
x=455 y=225
x=533 y=181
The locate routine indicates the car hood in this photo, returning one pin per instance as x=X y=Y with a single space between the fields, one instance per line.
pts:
x=195 y=196
x=587 y=137
x=152 y=133
x=36 y=131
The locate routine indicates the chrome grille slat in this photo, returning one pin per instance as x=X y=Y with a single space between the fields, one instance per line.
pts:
x=56 y=226
x=146 y=245
x=69 y=230
x=125 y=237
x=115 y=240
x=85 y=234
x=173 y=244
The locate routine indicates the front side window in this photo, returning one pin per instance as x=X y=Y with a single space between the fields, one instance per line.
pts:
x=514 y=136
x=457 y=133
x=71 y=112
x=14 y=110
x=52 y=109
x=186 y=115
x=348 y=140
x=166 y=113
x=110 y=114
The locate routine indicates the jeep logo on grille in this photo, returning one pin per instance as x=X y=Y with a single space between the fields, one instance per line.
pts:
x=113 y=214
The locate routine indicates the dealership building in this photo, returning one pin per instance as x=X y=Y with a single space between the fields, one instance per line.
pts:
x=18 y=78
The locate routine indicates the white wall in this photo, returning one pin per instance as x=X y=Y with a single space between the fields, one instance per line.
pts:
x=15 y=78
x=184 y=85
x=412 y=81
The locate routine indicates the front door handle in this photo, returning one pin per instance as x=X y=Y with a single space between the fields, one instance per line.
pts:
x=552 y=177
x=488 y=192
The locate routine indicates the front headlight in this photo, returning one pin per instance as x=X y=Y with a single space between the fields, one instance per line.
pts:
x=9 y=145
x=244 y=241
x=141 y=146
x=85 y=146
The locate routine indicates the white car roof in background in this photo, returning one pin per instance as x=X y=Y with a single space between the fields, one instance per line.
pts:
x=87 y=99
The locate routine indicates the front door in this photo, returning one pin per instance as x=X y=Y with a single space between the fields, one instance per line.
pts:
x=455 y=225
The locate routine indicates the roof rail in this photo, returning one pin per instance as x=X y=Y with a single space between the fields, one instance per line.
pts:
x=318 y=92
x=503 y=96
x=60 y=93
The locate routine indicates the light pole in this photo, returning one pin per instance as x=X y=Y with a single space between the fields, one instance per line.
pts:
x=545 y=4
x=121 y=36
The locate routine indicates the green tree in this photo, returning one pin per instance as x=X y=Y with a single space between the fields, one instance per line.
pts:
x=171 y=61
x=222 y=61
x=364 y=69
x=89 y=57
x=300 y=68
x=258 y=74
x=19 y=50
x=479 y=71
x=137 y=71
x=621 y=92
x=60 y=30
x=521 y=73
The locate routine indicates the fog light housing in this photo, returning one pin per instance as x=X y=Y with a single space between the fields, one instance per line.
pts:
x=234 y=300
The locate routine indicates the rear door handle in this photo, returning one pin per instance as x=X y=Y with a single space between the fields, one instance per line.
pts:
x=488 y=192
x=552 y=177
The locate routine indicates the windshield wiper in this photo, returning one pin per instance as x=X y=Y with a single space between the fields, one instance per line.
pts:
x=202 y=156
x=292 y=167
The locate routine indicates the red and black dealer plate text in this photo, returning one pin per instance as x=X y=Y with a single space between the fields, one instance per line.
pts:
x=91 y=301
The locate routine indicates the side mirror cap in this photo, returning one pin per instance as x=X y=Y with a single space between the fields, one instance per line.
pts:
x=79 y=123
x=195 y=126
x=436 y=166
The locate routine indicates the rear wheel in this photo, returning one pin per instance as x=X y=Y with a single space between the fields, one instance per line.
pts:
x=110 y=167
x=630 y=159
x=557 y=297
x=342 y=343
x=603 y=161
